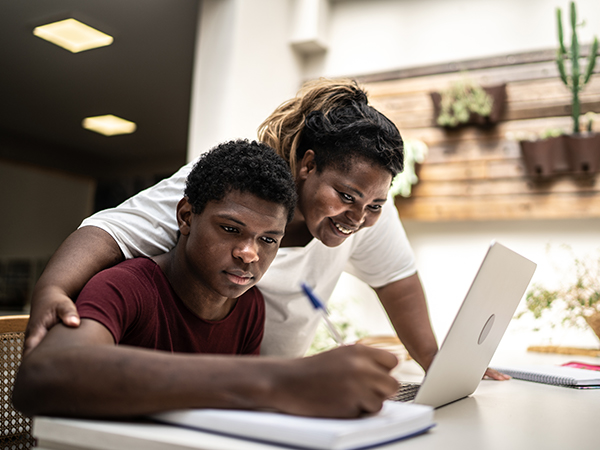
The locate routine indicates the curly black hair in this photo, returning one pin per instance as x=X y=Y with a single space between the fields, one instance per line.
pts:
x=243 y=166
x=354 y=130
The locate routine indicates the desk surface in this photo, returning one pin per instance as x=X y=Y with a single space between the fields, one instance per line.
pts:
x=498 y=416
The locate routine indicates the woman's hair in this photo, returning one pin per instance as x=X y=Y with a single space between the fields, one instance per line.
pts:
x=333 y=118
x=244 y=166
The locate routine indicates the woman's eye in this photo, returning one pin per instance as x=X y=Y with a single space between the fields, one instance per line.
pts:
x=346 y=197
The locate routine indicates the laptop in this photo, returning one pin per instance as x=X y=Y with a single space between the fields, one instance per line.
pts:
x=480 y=323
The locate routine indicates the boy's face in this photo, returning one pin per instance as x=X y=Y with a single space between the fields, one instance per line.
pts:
x=230 y=245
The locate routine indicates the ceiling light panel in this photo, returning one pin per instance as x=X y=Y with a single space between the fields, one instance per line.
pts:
x=109 y=125
x=73 y=35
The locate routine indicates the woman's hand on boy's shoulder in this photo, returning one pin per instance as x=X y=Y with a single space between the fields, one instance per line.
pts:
x=51 y=307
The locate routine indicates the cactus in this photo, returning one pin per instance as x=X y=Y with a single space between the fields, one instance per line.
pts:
x=574 y=82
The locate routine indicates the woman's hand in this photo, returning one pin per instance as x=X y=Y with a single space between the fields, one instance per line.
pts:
x=491 y=374
x=51 y=307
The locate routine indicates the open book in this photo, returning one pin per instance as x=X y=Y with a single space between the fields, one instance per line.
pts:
x=395 y=421
x=557 y=375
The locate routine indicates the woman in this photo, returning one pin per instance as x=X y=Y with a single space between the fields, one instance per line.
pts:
x=343 y=154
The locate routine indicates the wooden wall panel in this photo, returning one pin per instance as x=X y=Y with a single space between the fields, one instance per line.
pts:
x=478 y=174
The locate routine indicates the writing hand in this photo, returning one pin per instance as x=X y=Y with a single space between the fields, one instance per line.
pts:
x=344 y=382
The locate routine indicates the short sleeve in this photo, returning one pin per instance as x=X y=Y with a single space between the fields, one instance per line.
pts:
x=112 y=298
x=382 y=253
x=145 y=224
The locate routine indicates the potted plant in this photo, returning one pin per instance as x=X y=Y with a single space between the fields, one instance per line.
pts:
x=414 y=153
x=465 y=102
x=544 y=154
x=583 y=148
x=576 y=301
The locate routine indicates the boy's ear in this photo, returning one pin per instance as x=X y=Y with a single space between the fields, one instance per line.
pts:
x=307 y=165
x=184 y=216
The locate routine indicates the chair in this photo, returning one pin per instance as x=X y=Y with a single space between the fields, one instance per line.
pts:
x=15 y=428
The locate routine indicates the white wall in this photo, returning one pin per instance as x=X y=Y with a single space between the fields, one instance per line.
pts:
x=244 y=69
x=246 y=65
x=379 y=35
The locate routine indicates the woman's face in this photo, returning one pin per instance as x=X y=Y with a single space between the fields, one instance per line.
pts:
x=335 y=203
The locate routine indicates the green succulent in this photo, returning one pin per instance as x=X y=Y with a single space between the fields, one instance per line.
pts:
x=577 y=297
x=414 y=152
x=460 y=100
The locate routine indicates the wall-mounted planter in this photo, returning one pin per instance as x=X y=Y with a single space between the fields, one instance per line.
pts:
x=574 y=154
x=544 y=157
x=498 y=94
x=583 y=152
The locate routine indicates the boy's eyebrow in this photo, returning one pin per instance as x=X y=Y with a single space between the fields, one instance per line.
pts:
x=233 y=219
x=275 y=232
x=361 y=195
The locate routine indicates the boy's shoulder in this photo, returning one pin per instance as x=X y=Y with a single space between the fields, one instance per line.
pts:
x=134 y=276
x=141 y=266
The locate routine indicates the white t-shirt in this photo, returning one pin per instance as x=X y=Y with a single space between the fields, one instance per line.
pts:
x=145 y=225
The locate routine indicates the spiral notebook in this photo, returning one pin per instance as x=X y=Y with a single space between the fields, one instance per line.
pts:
x=556 y=375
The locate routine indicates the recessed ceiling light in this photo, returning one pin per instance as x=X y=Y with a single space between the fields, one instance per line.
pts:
x=108 y=125
x=73 y=35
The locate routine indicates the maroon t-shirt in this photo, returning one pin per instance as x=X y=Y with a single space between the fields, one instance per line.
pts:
x=137 y=304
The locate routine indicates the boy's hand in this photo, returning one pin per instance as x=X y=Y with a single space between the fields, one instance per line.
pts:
x=344 y=382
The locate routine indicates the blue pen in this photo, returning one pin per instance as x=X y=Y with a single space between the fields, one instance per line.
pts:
x=320 y=307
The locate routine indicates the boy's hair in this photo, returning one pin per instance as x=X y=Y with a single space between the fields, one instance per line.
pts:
x=244 y=166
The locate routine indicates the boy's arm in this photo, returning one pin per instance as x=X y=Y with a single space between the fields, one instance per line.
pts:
x=80 y=372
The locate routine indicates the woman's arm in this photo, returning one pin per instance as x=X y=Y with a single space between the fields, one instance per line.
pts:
x=145 y=225
x=405 y=304
x=80 y=372
x=84 y=253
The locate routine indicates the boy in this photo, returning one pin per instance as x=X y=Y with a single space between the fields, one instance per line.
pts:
x=158 y=334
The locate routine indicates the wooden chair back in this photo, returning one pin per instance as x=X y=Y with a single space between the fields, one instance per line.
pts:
x=15 y=428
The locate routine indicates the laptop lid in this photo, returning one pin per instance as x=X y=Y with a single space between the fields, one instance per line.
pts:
x=480 y=323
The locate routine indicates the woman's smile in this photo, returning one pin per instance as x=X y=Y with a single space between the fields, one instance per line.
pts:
x=336 y=203
x=342 y=229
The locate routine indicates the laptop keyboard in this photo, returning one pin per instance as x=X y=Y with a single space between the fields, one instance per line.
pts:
x=406 y=392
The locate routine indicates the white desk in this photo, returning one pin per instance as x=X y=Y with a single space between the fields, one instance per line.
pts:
x=509 y=415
